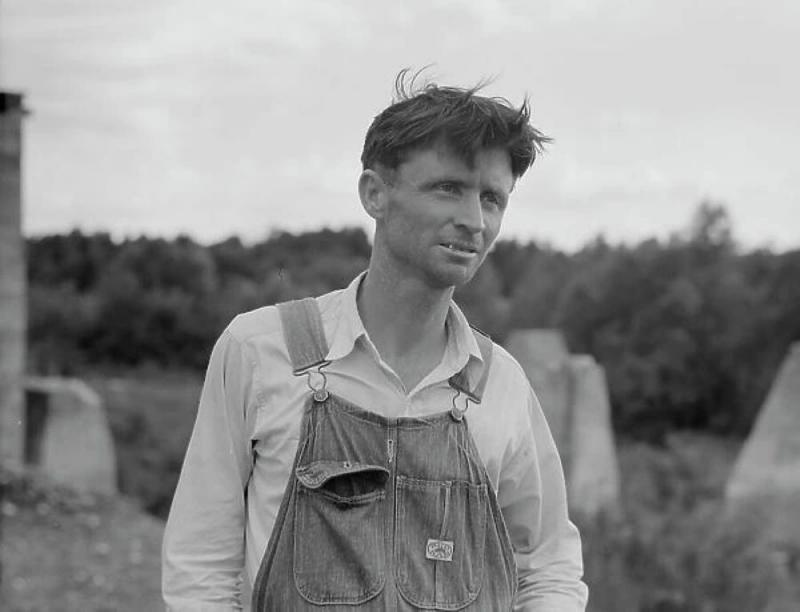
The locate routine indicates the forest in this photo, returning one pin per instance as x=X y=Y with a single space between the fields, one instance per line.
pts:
x=690 y=329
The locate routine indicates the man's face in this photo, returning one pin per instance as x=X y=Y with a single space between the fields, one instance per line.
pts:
x=443 y=215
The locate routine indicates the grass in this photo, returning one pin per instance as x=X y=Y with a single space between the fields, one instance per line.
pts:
x=67 y=551
x=75 y=552
x=677 y=547
x=151 y=418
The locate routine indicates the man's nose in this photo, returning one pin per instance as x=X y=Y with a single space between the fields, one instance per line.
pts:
x=470 y=216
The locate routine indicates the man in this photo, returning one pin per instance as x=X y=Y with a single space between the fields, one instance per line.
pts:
x=367 y=449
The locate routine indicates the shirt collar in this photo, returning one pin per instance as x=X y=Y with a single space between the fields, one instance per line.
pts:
x=349 y=327
x=461 y=349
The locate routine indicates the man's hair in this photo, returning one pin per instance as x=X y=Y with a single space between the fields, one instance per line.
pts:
x=419 y=117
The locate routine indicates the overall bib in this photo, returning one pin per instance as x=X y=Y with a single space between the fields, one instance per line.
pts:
x=383 y=513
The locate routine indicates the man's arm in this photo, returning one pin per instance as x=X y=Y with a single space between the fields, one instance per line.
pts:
x=203 y=549
x=547 y=546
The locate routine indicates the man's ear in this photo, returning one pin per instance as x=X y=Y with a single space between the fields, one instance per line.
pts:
x=373 y=191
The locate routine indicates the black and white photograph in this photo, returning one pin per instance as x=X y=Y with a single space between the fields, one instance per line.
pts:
x=478 y=305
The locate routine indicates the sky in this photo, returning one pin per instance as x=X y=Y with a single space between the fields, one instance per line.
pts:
x=214 y=119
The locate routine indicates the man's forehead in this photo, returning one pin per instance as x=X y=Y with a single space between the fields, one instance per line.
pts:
x=448 y=155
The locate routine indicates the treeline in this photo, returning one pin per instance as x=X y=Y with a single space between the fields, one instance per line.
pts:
x=690 y=330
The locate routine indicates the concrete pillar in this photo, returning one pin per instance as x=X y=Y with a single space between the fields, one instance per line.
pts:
x=543 y=355
x=68 y=438
x=13 y=305
x=573 y=392
x=593 y=476
x=767 y=472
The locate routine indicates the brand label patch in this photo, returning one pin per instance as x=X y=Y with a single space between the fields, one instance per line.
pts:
x=439 y=550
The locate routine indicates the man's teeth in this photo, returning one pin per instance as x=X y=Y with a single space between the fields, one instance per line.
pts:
x=453 y=247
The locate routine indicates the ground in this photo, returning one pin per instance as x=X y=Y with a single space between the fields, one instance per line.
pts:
x=66 y=551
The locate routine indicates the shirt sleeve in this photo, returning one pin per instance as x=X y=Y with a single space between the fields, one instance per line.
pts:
x=533 y=499
x=203 y=547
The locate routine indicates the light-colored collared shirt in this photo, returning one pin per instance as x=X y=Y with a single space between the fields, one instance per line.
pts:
x=245 y=437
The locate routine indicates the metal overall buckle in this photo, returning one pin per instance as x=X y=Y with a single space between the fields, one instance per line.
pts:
x=317 y=381
x=456 y=412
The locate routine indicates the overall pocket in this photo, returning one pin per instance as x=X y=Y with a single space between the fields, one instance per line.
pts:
x=440 y=542
x=339 y=531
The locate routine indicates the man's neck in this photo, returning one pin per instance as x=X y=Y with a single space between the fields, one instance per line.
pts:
x=406 y=322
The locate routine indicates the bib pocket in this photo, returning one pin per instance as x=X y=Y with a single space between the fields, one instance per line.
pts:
x=440 y=542
x=339 y=531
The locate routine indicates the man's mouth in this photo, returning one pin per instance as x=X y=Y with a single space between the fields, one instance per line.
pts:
x=461 y=247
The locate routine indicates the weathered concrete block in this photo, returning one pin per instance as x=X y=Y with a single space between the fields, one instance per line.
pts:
x=67 y=436
x=543 y=355
x=574 y=396
x=12 y=281
x=12 y=425
x=593 y=477
x=767 y=471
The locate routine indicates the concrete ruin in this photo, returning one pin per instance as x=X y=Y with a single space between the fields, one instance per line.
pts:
x=67 y=436
x=12 y=282
x=573 y=392
x=593 y=471
x=767 y=471
x=56 y=427
x=544 y=357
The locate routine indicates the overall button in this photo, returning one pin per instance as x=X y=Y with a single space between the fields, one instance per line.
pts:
x=458 y=415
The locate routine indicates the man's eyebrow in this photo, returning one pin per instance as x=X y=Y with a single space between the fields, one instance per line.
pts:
x=497 y=188
x=447 y=178
x=460 y=181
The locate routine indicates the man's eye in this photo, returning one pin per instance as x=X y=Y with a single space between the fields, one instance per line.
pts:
x=493 y=199
x=447 y=187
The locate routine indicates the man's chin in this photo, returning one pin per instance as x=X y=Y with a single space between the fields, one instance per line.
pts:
x=451 y=279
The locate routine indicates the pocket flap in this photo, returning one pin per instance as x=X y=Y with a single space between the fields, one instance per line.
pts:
x=315 y=475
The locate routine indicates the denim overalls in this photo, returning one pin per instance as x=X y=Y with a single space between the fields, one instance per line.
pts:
x=382 y=513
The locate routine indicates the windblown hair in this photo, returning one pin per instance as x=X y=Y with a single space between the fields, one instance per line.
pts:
x=466 y=122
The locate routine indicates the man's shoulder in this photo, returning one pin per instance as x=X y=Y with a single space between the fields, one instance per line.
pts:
x=510 y=392
x=262 y=321
x=265 y=321
x=507 y=368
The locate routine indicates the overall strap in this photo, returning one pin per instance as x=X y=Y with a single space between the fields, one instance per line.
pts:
x=473 y=386
x=303 y=333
